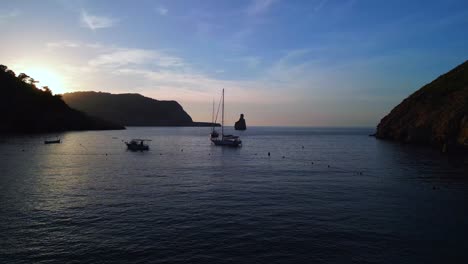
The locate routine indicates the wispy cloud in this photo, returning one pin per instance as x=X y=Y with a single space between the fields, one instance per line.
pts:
x=166 y=76
x=4 y=15
x=155 y=73
x=163 y=75
x=94 y=22
x=62 y=44
x=122 y=56
x=257 y=7
x=68 y=44
x=162 y=10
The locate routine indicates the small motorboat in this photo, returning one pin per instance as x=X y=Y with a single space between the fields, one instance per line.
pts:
x=52 y=141
x=137 y=144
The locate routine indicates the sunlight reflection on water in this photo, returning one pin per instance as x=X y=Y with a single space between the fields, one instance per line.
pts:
x=324 y=195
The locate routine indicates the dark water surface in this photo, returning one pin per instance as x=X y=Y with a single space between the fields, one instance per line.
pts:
x=89 y=200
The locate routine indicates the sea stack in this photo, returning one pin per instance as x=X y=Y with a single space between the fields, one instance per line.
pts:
x=240 y=125
x=436 y=114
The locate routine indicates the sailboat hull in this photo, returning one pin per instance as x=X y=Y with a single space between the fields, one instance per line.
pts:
x=52 y=141
x=227 y=143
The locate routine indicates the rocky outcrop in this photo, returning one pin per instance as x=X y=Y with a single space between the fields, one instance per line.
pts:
x=436 y=114
x=240 y=125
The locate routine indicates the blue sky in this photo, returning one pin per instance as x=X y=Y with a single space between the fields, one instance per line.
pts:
x=303 y=63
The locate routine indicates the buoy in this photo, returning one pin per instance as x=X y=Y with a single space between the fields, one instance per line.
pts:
x=268 y=154
x=182 y=150
x=303 y=147
x=328 y=166
x=284 y=157
x=312 y=162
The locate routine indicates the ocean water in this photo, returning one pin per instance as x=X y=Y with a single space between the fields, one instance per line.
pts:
x=325 y=195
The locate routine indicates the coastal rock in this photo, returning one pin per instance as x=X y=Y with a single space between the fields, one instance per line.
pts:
x=240 y=125
x=436 y=114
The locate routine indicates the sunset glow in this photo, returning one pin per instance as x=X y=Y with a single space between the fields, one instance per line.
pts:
x=234 y=131
x=288 y=63
x=47 y=77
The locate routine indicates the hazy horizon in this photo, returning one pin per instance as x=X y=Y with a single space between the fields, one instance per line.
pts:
x=303 y=63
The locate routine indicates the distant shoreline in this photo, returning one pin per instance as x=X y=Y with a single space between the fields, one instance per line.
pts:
x=194 y=124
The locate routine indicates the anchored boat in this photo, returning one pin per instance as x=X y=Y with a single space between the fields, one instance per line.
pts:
x=137 y=144
x=52 y=141
x=224 y=140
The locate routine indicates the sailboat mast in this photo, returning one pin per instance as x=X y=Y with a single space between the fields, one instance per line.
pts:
x=212 y=118
x=222 y=120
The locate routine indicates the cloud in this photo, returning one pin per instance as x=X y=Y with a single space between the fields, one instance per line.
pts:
x=193 y=86
x=162 y=10
x=315 y=93
x=154 y=73
x=62 y=44
x=311 y=88
x=118 y=57
x=123 y=57
x=94 y=22
x=4 y=15
x=67 y=44
x=257 y=7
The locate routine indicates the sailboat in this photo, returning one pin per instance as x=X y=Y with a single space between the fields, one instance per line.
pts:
x=225 y=140
x=214 y=134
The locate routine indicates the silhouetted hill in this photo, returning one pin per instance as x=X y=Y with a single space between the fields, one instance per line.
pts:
x=131 y=109
x=436 y=114
x=24 y=108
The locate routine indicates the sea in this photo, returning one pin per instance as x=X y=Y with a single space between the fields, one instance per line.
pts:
x=288 y=195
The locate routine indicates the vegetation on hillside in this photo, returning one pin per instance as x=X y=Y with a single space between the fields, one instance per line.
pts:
x=26 y=108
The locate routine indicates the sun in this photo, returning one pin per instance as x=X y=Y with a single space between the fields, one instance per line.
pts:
x=47 y=77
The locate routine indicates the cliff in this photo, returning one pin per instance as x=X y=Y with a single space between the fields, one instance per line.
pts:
x=436 y=114
x=24 y=108
x=131 y=109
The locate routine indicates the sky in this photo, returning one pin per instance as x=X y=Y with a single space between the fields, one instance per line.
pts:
x=281 y=62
